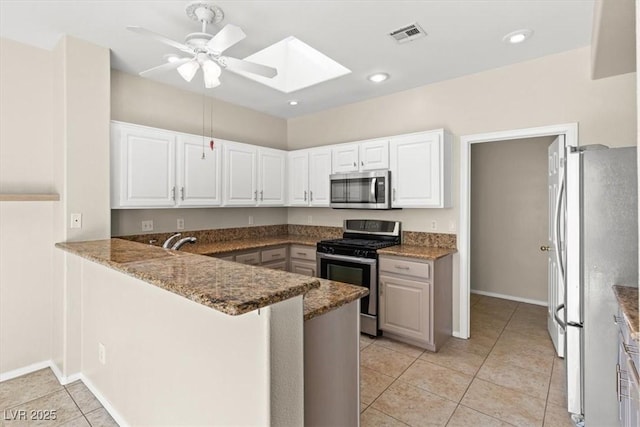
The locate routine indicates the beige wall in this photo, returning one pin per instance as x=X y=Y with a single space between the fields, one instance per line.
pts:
x=509 y=218
x=26 y=228
x=145 y=102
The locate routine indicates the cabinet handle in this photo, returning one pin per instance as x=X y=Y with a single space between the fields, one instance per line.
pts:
x=362 y=163
x=301 y=253
x=618 y=394
x=617 y=319
x=261 y=195
x=355 y=164
x=274 y=255
x=255 y=195
x=173 y=193
x=311 y=196
x=181 y=193
x=305 y=196
x=394 y=194
x=399 y=267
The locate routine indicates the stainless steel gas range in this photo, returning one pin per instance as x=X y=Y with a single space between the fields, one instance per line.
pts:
x=354 y=259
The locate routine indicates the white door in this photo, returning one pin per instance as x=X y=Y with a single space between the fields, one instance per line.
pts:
x=345 y=158
x=199 y=171
x=416 y=170
x=240 y=174
x=319 y=171
x=298 y=178
x=555 y=246
x=271 y=174
x=146 y=164
x=374 y=155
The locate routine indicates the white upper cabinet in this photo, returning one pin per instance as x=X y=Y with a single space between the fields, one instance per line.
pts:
x=240 y=174
x=374 y=154
x=360 y=156
x=319 y=171
x=199 y=171
x=345 y=158
x=271 y=177
x=309 y=172
x=299 y=178
x=142 y=166
x=420 y=167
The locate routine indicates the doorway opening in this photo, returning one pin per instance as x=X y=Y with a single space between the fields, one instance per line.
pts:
x=570 y=132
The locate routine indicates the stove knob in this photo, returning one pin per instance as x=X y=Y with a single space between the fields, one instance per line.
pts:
x=331 y=250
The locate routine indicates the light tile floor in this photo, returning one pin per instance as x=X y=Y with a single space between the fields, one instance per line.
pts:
x=25 y=399
x=505 y=374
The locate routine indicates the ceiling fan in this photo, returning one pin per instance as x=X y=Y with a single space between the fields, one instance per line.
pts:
x=205 y=50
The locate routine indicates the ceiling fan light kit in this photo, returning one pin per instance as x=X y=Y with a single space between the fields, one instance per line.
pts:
x=205 y=49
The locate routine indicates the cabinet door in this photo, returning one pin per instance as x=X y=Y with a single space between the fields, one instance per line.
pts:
x=344 y=158
x=144 y=160
x=405 y=307
x=319 y=171
x=374 y=154
x=299 y=178
x=199 y=179
x=416 y=170
x=271 y=177
x=240 y=174
x=306 y=268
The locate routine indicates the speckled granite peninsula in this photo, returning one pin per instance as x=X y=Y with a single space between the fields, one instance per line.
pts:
x=627 y=297
x=225 y=286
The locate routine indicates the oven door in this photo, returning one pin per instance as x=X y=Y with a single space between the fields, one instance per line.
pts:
x=353 y=270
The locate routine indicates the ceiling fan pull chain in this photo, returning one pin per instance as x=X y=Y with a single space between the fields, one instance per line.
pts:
x=203 y=106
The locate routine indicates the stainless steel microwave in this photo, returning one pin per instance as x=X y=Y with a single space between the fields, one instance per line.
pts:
x=361 y=190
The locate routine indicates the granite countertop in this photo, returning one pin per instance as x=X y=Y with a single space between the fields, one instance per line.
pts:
x=225 y=286
x=627 y=297
x=216 y=248
x=419 y=252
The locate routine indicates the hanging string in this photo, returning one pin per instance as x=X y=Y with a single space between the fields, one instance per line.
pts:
x=211 y=143
x=203 y=135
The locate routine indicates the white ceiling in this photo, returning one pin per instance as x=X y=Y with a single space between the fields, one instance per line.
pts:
x=464 y=37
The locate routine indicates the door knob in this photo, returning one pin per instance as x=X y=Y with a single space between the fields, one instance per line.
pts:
x=546 y=248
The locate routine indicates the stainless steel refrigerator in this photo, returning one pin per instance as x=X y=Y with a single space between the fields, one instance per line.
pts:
x=600 y=250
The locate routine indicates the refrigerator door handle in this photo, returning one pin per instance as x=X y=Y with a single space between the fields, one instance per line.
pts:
x=557 y=229
x=561 y=323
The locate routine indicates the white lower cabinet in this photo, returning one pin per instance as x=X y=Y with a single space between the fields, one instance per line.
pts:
x=274 y=257
x=415 y=300
x=303 y=260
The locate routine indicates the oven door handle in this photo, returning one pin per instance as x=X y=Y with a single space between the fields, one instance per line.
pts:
x=348 y=258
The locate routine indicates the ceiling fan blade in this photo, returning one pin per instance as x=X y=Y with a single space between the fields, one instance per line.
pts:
x=235 y=65
x=161 y=38
x=165 y=67
x=225 y=38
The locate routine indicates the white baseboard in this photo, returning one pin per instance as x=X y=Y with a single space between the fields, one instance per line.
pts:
x=64 y=380
x=510 y=297
x=25 y=370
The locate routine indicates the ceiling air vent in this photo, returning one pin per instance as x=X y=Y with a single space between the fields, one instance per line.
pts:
x=408 y=33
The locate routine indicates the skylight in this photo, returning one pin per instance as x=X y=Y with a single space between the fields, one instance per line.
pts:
x=299 y=66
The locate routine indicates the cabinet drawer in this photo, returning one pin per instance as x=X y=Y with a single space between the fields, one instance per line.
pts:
x=252 y=258
x=227 y=257
x=277 y=265
x=409 y=268
x=306 y=268
x=303 y=252
x=275 y=254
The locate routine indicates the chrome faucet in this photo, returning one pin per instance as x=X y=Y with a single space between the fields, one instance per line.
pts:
x=181 y=242
x=167 y=243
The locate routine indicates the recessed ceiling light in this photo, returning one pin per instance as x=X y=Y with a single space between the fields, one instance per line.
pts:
x=378 y=77
x=293 y=102
x=516 y=37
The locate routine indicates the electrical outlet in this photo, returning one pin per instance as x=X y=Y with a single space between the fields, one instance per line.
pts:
x=180 y=224
x=434 y=225
x=102 y=353
x=250 y=219
x=147 y=225
x=76 y=220
x=309 y=219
